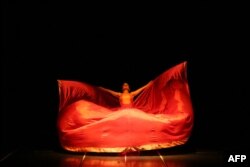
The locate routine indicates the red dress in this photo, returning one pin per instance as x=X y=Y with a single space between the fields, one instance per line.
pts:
x=92 y=120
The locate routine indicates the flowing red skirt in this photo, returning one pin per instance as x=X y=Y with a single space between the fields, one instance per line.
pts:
x=90 y=120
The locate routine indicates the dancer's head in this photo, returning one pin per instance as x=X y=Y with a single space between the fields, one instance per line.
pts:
x=125 y=86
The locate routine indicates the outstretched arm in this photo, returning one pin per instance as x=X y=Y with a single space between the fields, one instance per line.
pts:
x=116 y=94
x=136 y=92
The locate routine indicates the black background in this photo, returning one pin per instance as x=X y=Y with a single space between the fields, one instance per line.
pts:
x=105 y=46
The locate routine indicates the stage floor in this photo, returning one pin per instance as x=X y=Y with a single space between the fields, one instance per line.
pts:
x=52 y=158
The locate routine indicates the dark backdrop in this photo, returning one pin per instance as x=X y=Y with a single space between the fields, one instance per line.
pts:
x=47 y=41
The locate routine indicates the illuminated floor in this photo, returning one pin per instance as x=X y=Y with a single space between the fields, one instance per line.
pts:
x=51 y=158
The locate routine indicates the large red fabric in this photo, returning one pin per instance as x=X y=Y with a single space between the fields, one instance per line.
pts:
x=91 y=120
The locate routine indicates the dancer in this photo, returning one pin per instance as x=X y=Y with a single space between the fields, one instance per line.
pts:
x=96 y=119
x=126 y=97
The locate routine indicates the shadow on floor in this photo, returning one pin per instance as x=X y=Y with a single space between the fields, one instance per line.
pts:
x=177 y=157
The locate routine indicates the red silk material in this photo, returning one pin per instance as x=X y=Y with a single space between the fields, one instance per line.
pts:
x=92 y=120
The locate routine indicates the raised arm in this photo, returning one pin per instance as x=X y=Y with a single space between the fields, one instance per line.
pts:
x=116 y=94
x=136 y=92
